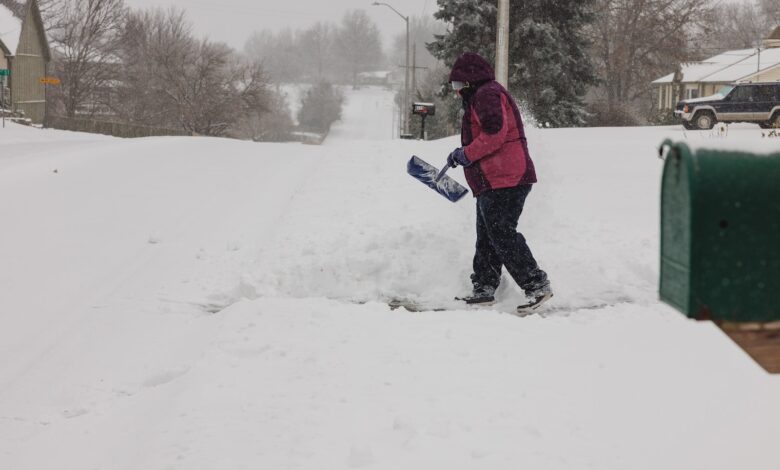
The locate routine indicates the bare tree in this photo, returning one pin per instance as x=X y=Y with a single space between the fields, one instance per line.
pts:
x=170 y=79
x=637 y=40
x=316 y=45
x=278 y=51
x=52 y=12
x=358 y=44
x=85 y=47
x=735 y=26
x=154 y=47
x=264 y=114
x=771 y=11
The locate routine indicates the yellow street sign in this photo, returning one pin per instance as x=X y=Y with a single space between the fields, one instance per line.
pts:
x=49 y=80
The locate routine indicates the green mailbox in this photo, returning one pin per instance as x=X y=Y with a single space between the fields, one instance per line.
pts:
x=720 y=233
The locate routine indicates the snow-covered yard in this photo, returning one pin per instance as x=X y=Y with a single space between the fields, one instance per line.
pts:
x=196 y=303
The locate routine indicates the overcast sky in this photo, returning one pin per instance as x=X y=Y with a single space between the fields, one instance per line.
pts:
x=233 y=21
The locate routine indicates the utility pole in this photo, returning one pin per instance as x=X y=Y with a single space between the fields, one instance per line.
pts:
x=406 y=80
x=414 y=68
x=405 y=106
x=502 y=43
x=414 y=72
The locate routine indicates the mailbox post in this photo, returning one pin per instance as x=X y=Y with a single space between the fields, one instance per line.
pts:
x=423 y=110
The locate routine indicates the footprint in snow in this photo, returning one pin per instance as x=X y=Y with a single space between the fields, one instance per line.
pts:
x=165 y=377
x=75 y=413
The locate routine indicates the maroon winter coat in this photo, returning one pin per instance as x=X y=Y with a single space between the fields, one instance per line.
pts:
x=492 y=131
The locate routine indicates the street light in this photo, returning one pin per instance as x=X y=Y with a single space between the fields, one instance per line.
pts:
x=404 y=111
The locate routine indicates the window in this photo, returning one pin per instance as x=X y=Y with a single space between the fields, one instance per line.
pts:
x=724 y=90
x=766 y=93
x=744 y=93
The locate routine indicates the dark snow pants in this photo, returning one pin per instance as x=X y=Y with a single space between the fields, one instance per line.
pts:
x=500 y=244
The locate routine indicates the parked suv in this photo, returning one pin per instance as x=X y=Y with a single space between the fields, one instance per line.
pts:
x=745 y=102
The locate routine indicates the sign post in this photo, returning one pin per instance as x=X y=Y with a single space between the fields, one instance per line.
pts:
x=45 y=81
x=3 y=73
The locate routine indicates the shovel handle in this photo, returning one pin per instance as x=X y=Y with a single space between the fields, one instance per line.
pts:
x=441 y=173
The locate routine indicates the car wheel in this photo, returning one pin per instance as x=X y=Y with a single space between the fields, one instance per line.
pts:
x=704 y=121
x=774 y=123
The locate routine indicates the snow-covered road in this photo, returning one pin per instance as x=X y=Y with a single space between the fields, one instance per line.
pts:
x=196 y=303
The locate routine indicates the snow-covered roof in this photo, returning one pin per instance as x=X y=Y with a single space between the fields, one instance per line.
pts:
x=10 y=29
x=730 y=66
x=767 y=59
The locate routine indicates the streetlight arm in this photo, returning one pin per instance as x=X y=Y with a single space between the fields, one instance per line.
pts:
x=406 y=18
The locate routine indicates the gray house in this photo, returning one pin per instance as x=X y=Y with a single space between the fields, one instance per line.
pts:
x=24 y=50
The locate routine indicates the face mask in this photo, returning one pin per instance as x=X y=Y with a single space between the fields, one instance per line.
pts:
x=457 y=86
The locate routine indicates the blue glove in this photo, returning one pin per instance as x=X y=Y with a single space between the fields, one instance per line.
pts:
x=458 y=157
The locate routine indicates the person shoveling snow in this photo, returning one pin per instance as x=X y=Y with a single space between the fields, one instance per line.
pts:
x=500 y=173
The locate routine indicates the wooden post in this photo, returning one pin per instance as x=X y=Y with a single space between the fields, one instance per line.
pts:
x=761 y=341
x=502 y=44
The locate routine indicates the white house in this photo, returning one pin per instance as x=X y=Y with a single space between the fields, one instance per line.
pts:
x=708 y=76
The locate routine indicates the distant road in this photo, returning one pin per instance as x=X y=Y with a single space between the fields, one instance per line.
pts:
x=367 y=115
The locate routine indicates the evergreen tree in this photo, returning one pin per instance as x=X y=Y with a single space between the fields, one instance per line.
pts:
x=550 y=69
x=320 y=107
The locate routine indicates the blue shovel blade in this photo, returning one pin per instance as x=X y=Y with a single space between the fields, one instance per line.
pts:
x=427 y=174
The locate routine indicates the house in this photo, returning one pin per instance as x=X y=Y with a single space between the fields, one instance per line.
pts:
x=697 y=79
x=381 y=78
x=24 y=50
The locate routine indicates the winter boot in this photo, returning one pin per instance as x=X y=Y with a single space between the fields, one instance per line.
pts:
x=534 y=299
x=480 y=295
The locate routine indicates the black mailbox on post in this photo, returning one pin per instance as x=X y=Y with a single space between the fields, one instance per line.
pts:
x=423 y=110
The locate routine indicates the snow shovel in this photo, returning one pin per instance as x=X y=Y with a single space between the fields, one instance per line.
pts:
x=430 y=176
